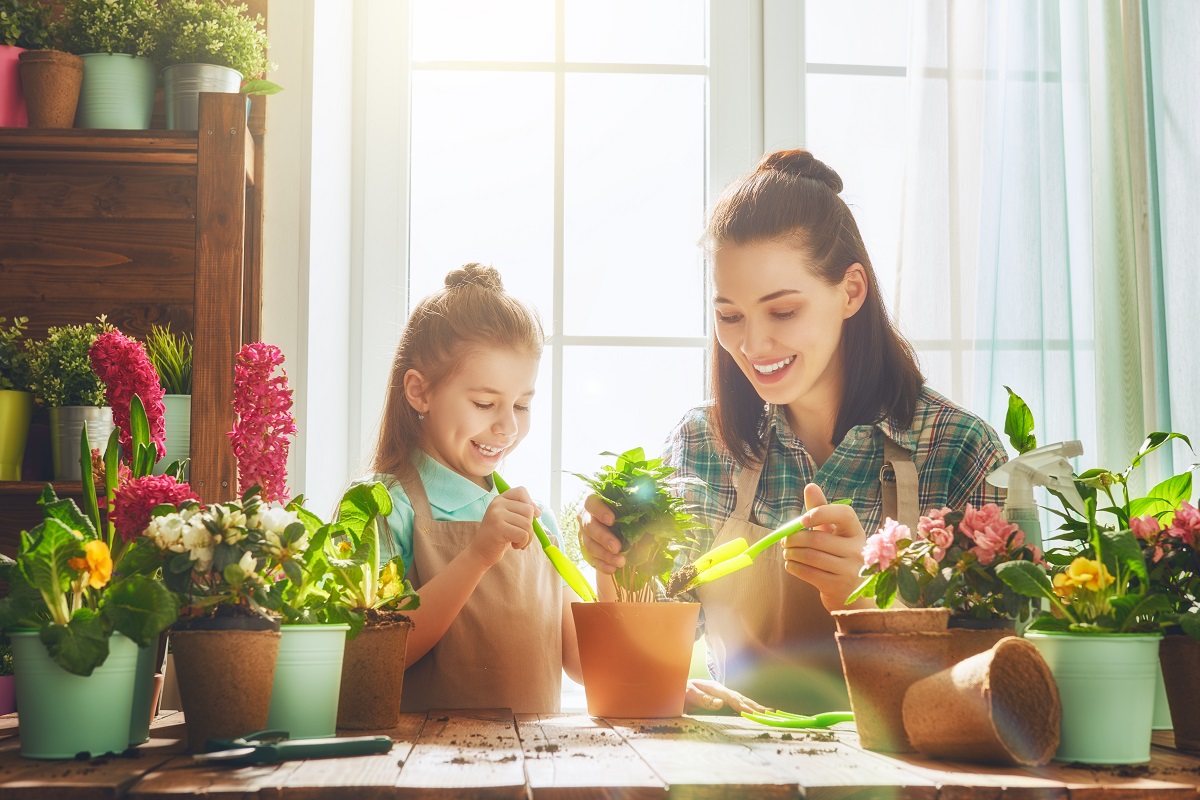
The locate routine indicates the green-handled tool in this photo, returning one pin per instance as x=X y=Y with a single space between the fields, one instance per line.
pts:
x=782 y=719
x=569 y=572
x=269 y=747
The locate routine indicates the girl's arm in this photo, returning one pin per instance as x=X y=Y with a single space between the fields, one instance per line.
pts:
x=570 y=642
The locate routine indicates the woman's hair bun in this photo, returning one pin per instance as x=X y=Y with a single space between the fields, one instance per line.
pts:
x=801 y=164
x=475 y=275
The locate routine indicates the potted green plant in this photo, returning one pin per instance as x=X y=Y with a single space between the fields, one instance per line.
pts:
x=115 y=38
x=49 y=77
x=16 y=401
x=171 y=355
x=61 y=377
x=208 y=46
x=23 y=26
x=635 y=652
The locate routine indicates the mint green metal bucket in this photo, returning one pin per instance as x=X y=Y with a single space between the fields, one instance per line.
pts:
x=62 y=714
x=143 y=694
x=308 y=677
x=117 y=92
x=1106 y=683
x=178 y=421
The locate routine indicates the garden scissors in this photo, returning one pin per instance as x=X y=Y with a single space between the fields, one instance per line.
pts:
x=269 y=747
x=782 y=719
x=569 y=572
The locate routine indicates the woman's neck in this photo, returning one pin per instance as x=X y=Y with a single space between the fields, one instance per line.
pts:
x=813 y=417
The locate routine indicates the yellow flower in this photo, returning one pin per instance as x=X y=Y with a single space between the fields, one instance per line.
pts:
x=96 y=564
x=1085 y=573
x=344 y=548
x=1063 y=586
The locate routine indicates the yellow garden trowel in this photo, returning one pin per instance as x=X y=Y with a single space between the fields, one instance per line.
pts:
x=569 y=572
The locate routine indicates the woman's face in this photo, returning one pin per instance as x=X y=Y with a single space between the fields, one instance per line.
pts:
x=781 y=323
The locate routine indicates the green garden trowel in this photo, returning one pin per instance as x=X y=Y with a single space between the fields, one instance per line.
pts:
x=569 y=572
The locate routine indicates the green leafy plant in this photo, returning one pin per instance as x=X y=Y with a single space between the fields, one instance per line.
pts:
x=212 y=32
x=652 y=522
x=171 y=356
x=14 y=361
x=60 y=373
x=24 y=24
x=109 y=26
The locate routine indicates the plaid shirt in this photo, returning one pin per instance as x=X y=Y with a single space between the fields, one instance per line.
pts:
x=954 y=451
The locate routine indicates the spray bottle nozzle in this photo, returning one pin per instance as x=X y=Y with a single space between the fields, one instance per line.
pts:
x=1043 y=466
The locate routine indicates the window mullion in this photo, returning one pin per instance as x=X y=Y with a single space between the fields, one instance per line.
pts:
x=559 y=313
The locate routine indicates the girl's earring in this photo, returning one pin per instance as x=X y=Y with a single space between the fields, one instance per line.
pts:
x=420 y=416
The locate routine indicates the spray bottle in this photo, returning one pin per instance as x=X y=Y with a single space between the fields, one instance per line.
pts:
x=1043 y=466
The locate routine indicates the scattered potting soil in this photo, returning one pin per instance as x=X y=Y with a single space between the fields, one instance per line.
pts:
x=680 y=579
x=823 y=736
x=546 y=748
x=506 y=759
x=1133 y=770
x=458 y=760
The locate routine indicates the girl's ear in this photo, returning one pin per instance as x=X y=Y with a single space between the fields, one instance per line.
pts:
x=416 y=391
x=854 y=284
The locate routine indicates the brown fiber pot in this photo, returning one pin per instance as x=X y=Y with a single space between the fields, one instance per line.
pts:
x=51 y=80
x=970 y=637
x=635 y=656
x=999 y=706
x=373 y=678
x=225 y=679
x=1180 y=657
x=892 y=620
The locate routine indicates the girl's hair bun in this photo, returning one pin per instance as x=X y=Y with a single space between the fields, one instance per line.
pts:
x=801 y=164
x=475 y=275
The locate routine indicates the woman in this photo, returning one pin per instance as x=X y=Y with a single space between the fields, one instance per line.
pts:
x=816 y=397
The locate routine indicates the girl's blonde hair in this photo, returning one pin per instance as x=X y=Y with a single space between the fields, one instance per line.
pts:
x=471 y=310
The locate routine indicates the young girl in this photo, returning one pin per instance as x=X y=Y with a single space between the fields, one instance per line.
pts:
x=495 y=627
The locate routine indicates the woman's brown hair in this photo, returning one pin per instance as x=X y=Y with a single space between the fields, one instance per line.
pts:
x=793 y=197
x=471 y=310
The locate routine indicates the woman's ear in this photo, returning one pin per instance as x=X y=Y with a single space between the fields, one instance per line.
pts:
x=854 y=284
x=416 y=391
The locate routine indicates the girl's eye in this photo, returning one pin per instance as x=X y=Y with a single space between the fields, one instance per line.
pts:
x=783 y=314
x=483 y=406
x=522 y=409
x=728 y=319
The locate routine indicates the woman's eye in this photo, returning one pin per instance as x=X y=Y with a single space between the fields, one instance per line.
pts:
x=783 y=314
x=522 y=409
x=483 y=406
x=728 y=319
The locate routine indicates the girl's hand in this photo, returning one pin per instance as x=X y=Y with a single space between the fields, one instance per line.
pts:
x=829 y=554
x=708 y=696
x=507 y=524
x=599 y=544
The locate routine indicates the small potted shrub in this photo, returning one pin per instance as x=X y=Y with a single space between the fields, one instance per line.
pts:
x=171 y=355
x=50 y=78
x=23 y=26
x=16 y=401
x=115 y=38
x=635 y=652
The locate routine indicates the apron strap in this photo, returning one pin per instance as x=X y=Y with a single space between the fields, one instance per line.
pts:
x=900 y=499
x=746 y=487
x=415 y=489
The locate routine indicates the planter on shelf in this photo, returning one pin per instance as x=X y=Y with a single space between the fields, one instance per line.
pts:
x=117 y=91
x=12 y=99
x=226 y=668
x=635 y=656
x=182 y=85
x=178 y=421
x=1161 y=720
x=66 y=425
x=16 y=411
x=308 y=677
x=51 y=79
x=373 y=677
x=1180 y=656
x=64 y=715
x=1106 y=684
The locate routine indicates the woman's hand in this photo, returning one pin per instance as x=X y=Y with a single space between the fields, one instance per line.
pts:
x=708 y=696
x=599 y=544
x=507 y=523
x=829 y=554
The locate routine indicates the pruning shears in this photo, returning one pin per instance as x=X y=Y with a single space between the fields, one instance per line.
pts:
x=782 y=719
x=569 y=572
x=269 y=747
x=738 y=554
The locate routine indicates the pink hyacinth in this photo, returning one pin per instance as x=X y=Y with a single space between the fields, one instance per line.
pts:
x=125 y=370
x=1186 y=525
x=263 y=404
x=880 y=549
x=987 y=528
x=934 y=529
x=134 y=501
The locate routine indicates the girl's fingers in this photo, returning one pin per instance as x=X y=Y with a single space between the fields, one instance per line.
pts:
x=599 y=510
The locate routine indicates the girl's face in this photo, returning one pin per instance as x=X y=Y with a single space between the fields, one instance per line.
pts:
x=781 y=323
x=479 y=413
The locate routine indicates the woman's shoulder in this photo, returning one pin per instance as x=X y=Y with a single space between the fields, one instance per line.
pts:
x=940 y=420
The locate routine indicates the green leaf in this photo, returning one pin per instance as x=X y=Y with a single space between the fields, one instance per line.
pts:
x=293 y=572
x=885 y=590
x=112 y=460
x=66 y=512
x=1129 y=608
x=864 y=589
x=141 y=608
x=1190 y=623
x=1046 y=622
x=1018 y=423
x=1166 y=496
x=261 y=87
x=1155 y=441
x=79 y=646
x=910 y=590
x=1026 y=578
x=90 y=506
x=141 y=557
x=1123 y=548
x=44 y=558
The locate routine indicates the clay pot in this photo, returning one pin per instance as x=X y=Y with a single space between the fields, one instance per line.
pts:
x=51 y=80
x=373 y=677
x=999 y=706
x=1180 y=657
x=894 y=620
x=635 y=656
x=969 y=636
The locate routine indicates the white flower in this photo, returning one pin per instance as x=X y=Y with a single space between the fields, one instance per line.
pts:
x=275 y=518
x=167 y=532
x=249 y=567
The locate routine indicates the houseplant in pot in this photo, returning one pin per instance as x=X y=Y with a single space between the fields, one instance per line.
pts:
x=23 y=26
x=171 y=355
x=50 y=77
x=635 y=652
x=115 y=39
x=61 y=377
x=16 y=401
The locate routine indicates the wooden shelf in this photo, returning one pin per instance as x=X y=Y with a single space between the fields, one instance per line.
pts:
x=33 y=489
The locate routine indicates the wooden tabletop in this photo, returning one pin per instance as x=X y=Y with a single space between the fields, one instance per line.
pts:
x=484 y=754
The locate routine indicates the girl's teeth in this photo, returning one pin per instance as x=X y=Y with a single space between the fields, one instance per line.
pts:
x=767 y=369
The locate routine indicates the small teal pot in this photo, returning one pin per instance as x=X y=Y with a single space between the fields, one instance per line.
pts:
x=178 y=421
x=308 y=677
x=143 y=694
x=117 y=92
x=1106 y=683
x=64 y=715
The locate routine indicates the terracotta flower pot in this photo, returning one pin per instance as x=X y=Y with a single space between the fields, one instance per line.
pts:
x=635 y=656
x=892 y=620
x=998 y=706
x=1180 y=656
x=373 y=677
x=225 y=679
x=51 y=79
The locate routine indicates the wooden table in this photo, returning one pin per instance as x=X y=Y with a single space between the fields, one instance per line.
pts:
x=492 y=754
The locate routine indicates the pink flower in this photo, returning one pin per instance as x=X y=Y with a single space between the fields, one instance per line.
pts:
x=987 y=528
x=1145 y=528
x=1186 y=525
x=934 y=529
x=134 y=501
x=880 y=549
x=123 y=366
x=263 y=404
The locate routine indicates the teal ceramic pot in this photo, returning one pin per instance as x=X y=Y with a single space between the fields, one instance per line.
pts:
x=117 y=92
x=308 y=676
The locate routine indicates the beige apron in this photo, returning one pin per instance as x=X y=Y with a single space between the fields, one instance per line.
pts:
x=504 y=649
x=770 y=629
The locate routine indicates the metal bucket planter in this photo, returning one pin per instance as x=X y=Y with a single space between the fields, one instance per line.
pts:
x=308 y=677
x=66 y=425
x=16 y=410
x=117 y=92
x=182 y=85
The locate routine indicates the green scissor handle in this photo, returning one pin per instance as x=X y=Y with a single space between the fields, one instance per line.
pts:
x=269 y=747
x=569 y=572
x=782 y=719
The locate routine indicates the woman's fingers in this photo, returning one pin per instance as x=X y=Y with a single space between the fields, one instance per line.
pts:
x=706 y=695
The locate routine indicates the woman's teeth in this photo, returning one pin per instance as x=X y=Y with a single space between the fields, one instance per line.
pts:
x=767 y=369
x=489 y=451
